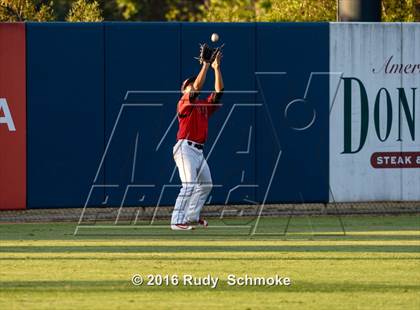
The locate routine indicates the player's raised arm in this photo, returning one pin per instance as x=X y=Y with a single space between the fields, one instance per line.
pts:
x=218 y=79
x=206 y=58
x=201 y=77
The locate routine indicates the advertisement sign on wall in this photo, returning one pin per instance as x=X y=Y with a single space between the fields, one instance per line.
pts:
x=12 y=116
x=374 y=112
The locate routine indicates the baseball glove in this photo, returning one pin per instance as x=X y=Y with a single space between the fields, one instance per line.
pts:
x=207 y=54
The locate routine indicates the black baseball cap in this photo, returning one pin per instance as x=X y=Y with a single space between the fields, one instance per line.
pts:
x=188 y=82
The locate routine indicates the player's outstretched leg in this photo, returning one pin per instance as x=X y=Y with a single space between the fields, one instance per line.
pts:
x=199 y=196
x=186 y=163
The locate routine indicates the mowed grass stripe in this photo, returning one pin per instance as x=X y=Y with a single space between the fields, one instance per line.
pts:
x=45 y=267
x=206 y=249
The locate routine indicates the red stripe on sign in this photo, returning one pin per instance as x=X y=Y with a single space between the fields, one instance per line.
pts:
x=12 y=116
x=395 y=160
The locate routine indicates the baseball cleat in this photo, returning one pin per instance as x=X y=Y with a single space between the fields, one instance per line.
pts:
x=203 y=223
x=181 y=227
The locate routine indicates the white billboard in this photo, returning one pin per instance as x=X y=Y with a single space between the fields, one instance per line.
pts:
x=375 y=111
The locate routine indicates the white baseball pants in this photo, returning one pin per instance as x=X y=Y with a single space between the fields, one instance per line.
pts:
x=196 y=182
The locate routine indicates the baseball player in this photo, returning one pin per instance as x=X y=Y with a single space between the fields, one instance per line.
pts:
x=193 y=115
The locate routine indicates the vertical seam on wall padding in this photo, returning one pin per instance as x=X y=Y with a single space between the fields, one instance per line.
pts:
x=328 y=112
x=26 y=112
x=104 y=102
x=180 y=56
x=256 y=189
x=330 y=197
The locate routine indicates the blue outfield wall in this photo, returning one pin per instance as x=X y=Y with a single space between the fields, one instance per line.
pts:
x=292 y=126
x=102 y=112
x=65 y=111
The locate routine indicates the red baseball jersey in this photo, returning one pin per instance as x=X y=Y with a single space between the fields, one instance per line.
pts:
x=193 y=115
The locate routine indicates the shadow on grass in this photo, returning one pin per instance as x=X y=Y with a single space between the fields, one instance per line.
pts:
x=122 y=286
x=357 y=227
x=211 y=259
x=206 y=249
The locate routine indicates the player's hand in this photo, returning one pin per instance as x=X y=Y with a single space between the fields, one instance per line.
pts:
x=216 y=63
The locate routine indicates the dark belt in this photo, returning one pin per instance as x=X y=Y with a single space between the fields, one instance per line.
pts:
x=196 y=145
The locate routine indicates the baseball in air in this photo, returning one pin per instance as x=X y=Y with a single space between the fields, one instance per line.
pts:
x=214 y=37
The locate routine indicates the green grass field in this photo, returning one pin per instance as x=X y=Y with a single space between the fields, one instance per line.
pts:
x=375 y=266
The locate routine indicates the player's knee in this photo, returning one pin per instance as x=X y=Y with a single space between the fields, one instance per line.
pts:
x=187 y=189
